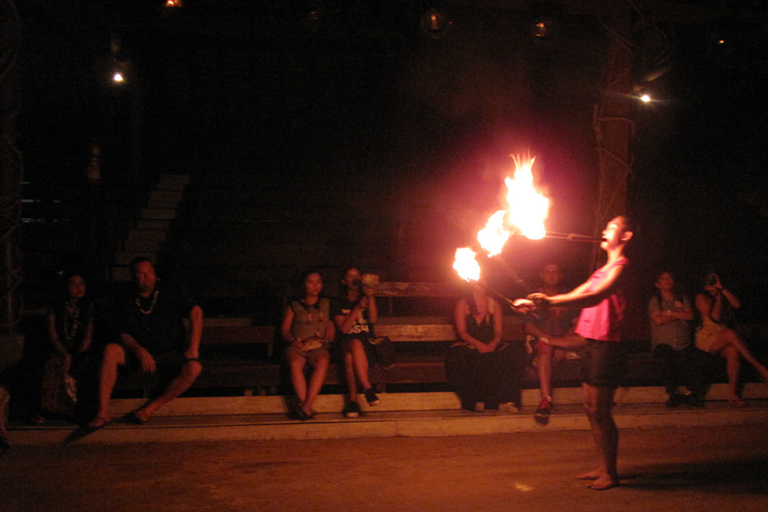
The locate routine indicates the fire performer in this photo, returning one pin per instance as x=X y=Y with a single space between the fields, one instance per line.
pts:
x=599 y=325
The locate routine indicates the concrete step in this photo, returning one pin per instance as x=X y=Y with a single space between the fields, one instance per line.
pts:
x=173 y=181
x=166 y=195
x=399 y=414
x=148 y=235
x=158 y=213
x=165 y=203
x=125 y=258
x=144 y=246
x=152 y=225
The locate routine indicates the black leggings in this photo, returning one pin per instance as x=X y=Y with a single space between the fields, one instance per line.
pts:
x=493 y=378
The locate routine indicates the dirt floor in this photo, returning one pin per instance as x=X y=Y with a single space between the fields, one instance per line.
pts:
x=671 y=469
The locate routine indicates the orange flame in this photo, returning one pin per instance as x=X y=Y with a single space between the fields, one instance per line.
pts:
x=526 y=211
x=494 y=235
x=527 y=208
x=466 y=265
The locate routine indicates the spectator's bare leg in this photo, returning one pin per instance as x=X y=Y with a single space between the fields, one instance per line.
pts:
x=114 y=355
x=349 y=374
x=320 y=362
x=360 y=361
x=568 y=341
x=732 y=368
x=297 y=364
x=189 y=373
x=544 y=367
x=733 y=340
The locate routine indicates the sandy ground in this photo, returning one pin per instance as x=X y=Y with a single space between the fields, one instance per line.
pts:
x=670 y=469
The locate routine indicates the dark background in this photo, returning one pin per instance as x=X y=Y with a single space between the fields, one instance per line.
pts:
x=252 y=85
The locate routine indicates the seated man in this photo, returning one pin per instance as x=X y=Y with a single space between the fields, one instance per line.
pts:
x=546 y=327
x=153 y=339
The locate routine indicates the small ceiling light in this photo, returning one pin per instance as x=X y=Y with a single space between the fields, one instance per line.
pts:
x=118 y=77
x=645 y=98
x=174 y=4
x=435 y=23
x=544 y=28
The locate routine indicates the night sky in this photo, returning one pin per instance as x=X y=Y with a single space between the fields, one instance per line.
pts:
x=251 y=84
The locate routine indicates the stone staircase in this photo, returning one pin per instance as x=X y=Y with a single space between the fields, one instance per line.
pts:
x=150 y=231
x=399 y=414
x=251 y=234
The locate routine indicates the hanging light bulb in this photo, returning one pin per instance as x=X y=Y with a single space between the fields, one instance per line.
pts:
x=435 y=23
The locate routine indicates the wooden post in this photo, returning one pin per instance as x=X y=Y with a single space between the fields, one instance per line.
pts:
x=10 y=182
x=613 y=123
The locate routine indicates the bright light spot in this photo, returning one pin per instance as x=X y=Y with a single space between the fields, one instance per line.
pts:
x=466 y=265
x=118 y=77
x=645 y=98
x=174 y=3
x=527 y=208
x=523 y=487
x=494 y=235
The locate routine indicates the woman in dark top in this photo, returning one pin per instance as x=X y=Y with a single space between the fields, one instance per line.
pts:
x=480 y=366
x=354 y=313
x=70 y=330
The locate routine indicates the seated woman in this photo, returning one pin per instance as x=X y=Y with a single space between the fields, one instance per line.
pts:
x=354 y=314
x=714 y=335
x=481 y=368
x=70 y=331
x=307 y=327
x=670 y=314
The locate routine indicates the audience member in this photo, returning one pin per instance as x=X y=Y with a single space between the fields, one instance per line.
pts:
x=153 y=339
x=603 y=361
x=546 y=327
x=354 y=314
x=70 y=331
x=714 y=335
x=680 y=361
x=481 y=367
x=308 y=329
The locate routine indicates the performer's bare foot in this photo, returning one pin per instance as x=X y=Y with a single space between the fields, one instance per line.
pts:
x=737 y=401
x=590 y=475
x=603 y=483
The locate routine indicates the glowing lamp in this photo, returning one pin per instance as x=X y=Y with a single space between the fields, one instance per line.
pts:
x=435 y=23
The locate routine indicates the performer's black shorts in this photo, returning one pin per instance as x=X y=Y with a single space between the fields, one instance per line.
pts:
x=603 y=363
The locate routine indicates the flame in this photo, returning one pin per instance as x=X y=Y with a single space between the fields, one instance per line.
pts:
x=466 y=265
x=527 y=208
x=526 y=211
x=494 y=235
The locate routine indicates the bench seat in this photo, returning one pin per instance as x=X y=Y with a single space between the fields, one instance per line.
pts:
x=411 y=369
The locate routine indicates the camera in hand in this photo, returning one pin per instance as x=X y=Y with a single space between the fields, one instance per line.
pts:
x=710 y=280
